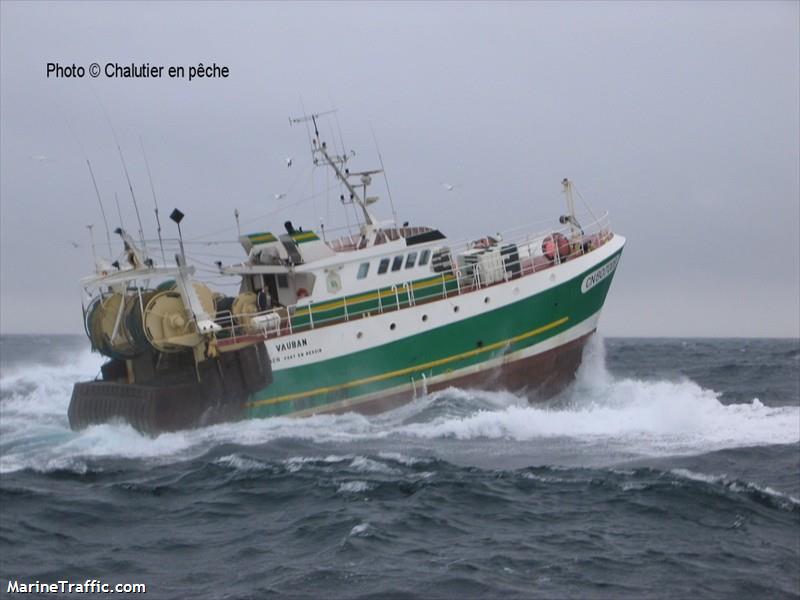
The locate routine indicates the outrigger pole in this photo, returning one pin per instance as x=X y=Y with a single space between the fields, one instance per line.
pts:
x=155 y=202
x=94 y=184
x=100 y=202
x=127 y=175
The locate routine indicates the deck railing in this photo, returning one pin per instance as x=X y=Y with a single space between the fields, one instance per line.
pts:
x=454 y=280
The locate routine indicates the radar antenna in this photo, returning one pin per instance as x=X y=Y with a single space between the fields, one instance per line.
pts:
x=338 y=162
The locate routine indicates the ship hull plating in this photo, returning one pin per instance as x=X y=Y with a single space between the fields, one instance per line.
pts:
x=178 y=397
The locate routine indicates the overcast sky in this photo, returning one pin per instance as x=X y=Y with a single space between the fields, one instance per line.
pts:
x=682 y=119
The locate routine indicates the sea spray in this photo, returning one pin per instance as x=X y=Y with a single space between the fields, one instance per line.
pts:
x=599 y=413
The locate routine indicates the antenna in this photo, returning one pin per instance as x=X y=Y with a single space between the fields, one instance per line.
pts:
x=308 y=131
x=385 y=176
x=155 y=202
x=236 y=216
x=100 y=202
x=311 y=117
x=336 y=162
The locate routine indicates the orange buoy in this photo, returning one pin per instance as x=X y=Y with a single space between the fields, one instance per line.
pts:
x=555 y=242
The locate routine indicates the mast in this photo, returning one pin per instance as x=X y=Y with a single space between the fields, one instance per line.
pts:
x=575 y=227
x=338 y=163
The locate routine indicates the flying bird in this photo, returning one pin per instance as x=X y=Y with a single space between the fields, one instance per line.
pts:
x=279 y=196
x=288 y=161
x=450 y=187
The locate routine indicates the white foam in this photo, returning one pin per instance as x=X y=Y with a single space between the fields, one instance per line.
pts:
x=694 y=476
x=359 y=529
x=240 y=463
x=403 y=459
x=736 y=486
x=295 y=463
x=602 y=415
x=353 y=487
x=367 y=465
x=649 y=418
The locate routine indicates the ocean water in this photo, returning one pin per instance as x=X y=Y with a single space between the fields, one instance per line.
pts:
x=671 y=468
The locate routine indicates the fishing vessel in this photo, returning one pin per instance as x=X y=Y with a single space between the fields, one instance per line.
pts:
x=320 y=324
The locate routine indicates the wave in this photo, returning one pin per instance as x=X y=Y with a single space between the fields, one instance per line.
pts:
x=600 y=417
x=757 y=492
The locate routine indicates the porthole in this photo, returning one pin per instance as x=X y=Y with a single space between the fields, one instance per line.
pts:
x=455 y=309
x=359 y=335
x=392 y=326
x=486 y=300
x=424 y=318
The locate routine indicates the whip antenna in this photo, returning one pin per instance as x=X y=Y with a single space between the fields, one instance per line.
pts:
x=385 y=176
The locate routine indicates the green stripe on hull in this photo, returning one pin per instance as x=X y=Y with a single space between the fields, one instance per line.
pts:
x=448 y=348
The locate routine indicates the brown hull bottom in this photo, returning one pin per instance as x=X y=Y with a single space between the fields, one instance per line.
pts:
x=178 y=397
x=225 y=385
x=540 y=377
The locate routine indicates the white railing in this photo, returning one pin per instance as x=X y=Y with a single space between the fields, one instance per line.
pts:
x=456 y=279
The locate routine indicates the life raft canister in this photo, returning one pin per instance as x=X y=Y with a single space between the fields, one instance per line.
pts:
x=553 y=241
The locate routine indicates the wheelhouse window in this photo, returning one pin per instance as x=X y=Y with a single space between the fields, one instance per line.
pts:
x=397 y=263
x=363 y=269
x=423 y=257
x=283 y=281
x=383 y=266
x=412 y=258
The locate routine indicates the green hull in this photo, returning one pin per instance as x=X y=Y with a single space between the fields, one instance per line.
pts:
x=461 y=346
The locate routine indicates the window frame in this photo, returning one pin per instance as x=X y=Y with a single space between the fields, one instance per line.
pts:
x=383 y=266
x=362 y=271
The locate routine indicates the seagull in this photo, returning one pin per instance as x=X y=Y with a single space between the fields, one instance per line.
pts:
x=279 y=196
x=288 y=161
x=450 y=187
